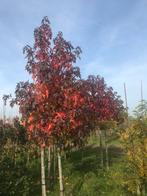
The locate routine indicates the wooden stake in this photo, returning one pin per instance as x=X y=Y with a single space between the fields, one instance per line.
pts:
x=4 y=115
x=141 y=92
x=142 y=97
x=126 y=101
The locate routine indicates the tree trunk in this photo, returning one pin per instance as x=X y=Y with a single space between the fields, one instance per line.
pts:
x=107 y=157
x=28 y=157
x=43 y=173
x=106 y=152
x=15 y=153
x=60 y=174
x=54 y=163
x=138 y=190
x=49 y=161
x=65 y=155
x=4 y=116
x=142 y=188
x=101 y=149
x=82 y=153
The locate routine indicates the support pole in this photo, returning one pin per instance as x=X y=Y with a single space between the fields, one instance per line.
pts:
x=126 y=101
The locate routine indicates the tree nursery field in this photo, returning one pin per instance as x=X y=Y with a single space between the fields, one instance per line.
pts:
x=74 y=136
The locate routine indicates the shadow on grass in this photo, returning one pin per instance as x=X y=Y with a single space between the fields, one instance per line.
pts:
x=88 y=159
x=84 y=172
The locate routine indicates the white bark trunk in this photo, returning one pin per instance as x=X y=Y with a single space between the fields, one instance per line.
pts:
x=54 y=163
x=43 y=173
x=60 y=175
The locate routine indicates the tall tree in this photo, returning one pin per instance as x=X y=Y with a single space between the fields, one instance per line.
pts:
x=52 y=106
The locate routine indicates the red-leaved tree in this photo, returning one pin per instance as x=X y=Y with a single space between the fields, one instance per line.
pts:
x=53 y=106
x=106 y=109
x=57 y=107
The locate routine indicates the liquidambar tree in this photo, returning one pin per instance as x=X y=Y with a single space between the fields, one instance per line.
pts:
x=106 y=107
x=53 y=106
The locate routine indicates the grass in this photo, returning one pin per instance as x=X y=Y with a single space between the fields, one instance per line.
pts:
x=83 y=175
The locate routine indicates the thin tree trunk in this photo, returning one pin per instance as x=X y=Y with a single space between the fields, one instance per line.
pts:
x=106 y=152
x=13 y=145
x=28 y=157
x=15 y=153
x=143 y=192
x=43 y=173
x=65 y=155
x=49 y=161
x=60 y=174
x=54 y=163
x=107 y=157
x=82 y=153
x=138 y=190
x=4 y=116
x=101 y=149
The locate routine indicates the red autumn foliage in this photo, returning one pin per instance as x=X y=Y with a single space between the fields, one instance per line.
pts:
x=53 y=105
x=58 y=105
x=105 y=104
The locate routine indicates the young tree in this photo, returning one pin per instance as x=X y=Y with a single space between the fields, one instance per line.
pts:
x=53 y=106
x=106 y=106
x=141 y=110
x=108 y=127
x=135 y=144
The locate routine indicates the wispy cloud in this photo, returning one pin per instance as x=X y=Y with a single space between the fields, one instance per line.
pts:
x=112 y=35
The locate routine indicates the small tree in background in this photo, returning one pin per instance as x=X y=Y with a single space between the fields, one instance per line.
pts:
x=109 y=133
x=135 y=144
x=106 y=107
x=141 y=110
x=5 y=99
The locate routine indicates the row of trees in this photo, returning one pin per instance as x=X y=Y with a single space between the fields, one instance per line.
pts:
x=17 y=151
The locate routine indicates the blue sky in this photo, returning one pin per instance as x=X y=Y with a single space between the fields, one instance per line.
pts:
x=112 y=35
